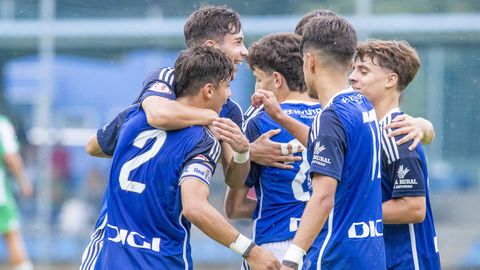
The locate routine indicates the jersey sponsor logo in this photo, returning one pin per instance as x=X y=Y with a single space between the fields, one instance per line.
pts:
x=133 y=239
x=371 y=228
x=160 y=87
x=318 y=148
x=322 y=161
x=357 y=98
x=198 y=170
x=307 y=114
x=403 y=183
x=402 y=172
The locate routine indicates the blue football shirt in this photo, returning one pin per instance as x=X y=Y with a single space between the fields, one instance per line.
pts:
x=405 y=174
x=344 y=144
x=281 y=194
x=144 y=227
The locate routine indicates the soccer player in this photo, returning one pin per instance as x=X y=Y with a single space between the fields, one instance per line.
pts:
x=382 y=71
x=216 y=26
x=9 y=217
x=159 y=180
x=282 y=194
x=415 y=129
x=344 y=210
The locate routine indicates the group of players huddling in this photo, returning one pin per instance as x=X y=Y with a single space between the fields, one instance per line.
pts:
x=335 y=187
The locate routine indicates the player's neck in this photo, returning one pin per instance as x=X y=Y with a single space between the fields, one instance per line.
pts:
x=193 y=101
x=329 y=84
x=385 y=104
x=297 y=96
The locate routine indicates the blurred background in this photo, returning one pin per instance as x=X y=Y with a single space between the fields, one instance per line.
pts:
x=69 y=66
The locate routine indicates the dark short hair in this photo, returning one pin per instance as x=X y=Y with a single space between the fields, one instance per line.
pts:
x=281 y=53
x=397 y=56
x=333 y=36
x=198 y=66
x=211 y=22
x=307 y=17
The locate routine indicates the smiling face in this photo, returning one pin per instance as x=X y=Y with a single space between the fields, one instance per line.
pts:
x=233 y=47
x=370 y=79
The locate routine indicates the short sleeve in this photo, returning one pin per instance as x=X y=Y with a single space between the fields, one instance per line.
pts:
x=407 y=177
x=201 y=162
x=329 y=147
x=233 y=111
x=158 y=83
x=107 y=136
x=8 y=138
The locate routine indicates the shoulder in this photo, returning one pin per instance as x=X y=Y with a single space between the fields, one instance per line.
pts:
x=389 y=144
x=164 y=74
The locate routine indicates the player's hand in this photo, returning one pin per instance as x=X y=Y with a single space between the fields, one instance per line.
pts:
x=230 y=133
x=262 y=259
x=406 y=125
x=284 y=267
x=269 y=101
x=265 y=152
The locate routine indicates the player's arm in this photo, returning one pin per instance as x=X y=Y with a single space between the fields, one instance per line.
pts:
x=415 y=129
x=270 y=103
x=169 y=114
x=235 y=148
x=404 y=210
x=325 y=177
x=238 y=204
x=14 y=163
x=313 y=219
x=93 y=148
x=198 y=210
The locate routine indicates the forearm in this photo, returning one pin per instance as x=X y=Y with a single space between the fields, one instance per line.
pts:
x=237 y=203
x=403 y=211
x=294 y=127
x=171 y=115
x=15 y=165
x=235 y=173
x=210 y=222
x=313 y=220
x=428 y=130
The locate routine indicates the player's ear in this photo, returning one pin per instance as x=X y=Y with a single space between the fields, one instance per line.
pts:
x=278 y=79
x=208 y=90
x=211 y=43
x=392 y=80
x=310 y=61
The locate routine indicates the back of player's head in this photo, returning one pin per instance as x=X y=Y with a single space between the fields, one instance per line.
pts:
x=333 y=37
x=307 y=17
x=397 y=56
x=281 y=53
x=211 y=22
x=198 y=66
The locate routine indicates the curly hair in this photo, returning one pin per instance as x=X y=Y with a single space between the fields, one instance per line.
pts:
x=281 y=53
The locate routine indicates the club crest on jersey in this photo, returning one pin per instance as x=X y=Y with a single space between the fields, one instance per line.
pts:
x=318 y=148
x=160 y=87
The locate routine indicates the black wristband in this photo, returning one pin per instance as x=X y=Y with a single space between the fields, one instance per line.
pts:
x=290 y=264
x=247 y=251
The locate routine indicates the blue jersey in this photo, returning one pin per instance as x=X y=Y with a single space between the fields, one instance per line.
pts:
x=281 y=194
x=405 y=174
x=344 y=144
x=158 y=83
x=144 y=227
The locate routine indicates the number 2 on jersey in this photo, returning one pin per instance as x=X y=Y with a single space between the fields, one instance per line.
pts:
x=140 y=140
